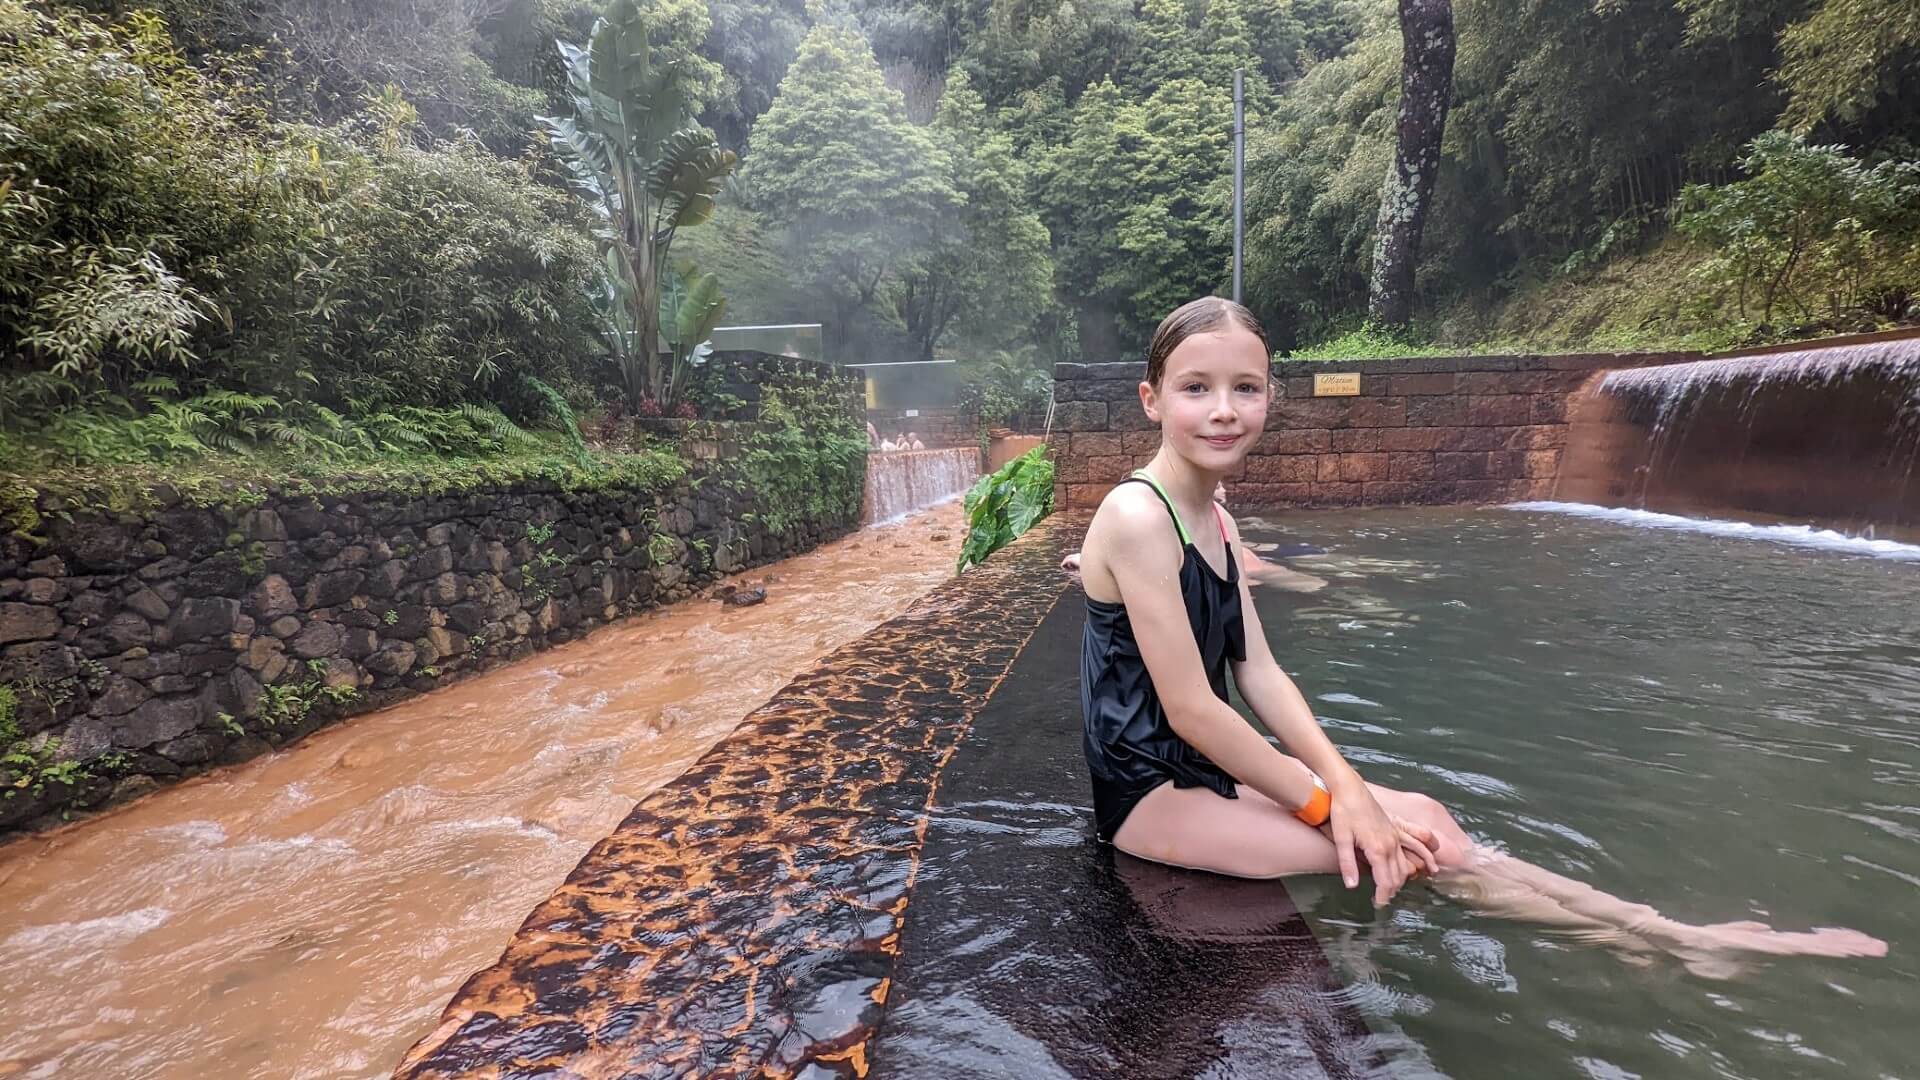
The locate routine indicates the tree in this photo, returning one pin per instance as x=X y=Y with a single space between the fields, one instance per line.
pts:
x=1134 y=199
x=1846 y=56
x=1426 y=87
x=857 y=187
x=647 y=172
x=753 y=41
x=987 y=263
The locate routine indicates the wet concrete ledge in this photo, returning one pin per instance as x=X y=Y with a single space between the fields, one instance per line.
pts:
x=745 y=920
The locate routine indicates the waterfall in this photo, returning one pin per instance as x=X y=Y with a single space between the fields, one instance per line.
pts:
x=1830 y=433
x=901 y=482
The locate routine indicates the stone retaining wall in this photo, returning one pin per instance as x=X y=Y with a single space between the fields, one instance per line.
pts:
x=138 y=648
x=1431 y=430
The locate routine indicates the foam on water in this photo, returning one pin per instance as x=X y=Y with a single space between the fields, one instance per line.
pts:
x=1795 y=535
x=108 y=930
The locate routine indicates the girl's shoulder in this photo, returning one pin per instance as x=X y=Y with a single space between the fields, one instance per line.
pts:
x=1131 y=514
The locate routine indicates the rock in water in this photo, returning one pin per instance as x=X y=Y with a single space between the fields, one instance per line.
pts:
x=753 y=594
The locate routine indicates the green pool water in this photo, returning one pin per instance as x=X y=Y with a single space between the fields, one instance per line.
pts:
x=1722 y=726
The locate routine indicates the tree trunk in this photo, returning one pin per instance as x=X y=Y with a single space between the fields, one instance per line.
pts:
x=1426 y=89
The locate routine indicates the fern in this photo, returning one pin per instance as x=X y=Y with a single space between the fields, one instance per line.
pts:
x=562 y=412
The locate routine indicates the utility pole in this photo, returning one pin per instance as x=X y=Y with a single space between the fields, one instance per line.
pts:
x=1239 y=178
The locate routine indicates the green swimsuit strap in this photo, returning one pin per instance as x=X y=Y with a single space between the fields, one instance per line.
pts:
x=1178 y=525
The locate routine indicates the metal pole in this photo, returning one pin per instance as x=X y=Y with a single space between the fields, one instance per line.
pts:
x=1239 y=178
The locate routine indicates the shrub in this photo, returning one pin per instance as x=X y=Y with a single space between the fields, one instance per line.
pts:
x=160 y=239
x=1812 y=235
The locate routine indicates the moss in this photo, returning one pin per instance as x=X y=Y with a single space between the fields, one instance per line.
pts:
x=233 y=481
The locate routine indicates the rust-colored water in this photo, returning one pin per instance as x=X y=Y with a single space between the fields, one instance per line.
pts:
x=307 y=914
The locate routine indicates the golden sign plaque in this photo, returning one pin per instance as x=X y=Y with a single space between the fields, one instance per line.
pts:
x=1343 y=385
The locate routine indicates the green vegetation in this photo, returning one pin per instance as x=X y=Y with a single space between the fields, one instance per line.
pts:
x=31 y=765
x=806 y=460
x=1005 y=504
x=289 y=704
x=329 y=247
x=647 y=173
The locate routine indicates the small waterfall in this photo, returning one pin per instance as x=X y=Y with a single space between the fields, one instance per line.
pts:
x=1830 y=433
x=901 y=482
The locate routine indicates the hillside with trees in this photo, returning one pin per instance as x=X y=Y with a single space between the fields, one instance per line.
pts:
x=350 y=227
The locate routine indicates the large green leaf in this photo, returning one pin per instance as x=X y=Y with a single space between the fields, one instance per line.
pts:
x=687 y=176
x=699 y=308
x=621 y=69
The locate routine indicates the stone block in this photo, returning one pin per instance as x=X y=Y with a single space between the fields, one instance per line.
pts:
x=1360 y=468
x=1410 y=438
x=315 y=640
x=1450 y=411
x=27 y=622
x=1335 y=494
x=1078 y=416
x=1420 y=385
x=155 y=722
x=1357 y=440
x=1467 y=439
x=1280 y=469
x=1460 y=466
x=1128 y=416
x=1510 y=382
x=1389 y=492
x=121 y=696
x=203 y=618
x=1294 y=441
x=1539 y=437
x=1275 y=495
x=1541 y=464
x=1410 y=465
x=1377 y=412
x=1504 y=410
x=397 y=657
x=1310 y=413
x=1108 y=470
x=1086 y=496
x=273 y=597
x=1548 y=409
x=149 y=604
x=332 y=589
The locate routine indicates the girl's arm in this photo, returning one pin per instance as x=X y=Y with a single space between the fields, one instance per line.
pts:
x=1358 y=821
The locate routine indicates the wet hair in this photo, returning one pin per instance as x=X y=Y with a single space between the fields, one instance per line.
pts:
x=1202 y=316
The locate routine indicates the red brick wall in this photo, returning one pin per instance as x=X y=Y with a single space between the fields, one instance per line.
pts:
x=1433 y=430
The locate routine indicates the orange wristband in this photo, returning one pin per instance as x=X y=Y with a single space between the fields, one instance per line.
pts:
x=1319 y=808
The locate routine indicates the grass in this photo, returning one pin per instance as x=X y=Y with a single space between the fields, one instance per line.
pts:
x=1638 y=302
x=36 y=474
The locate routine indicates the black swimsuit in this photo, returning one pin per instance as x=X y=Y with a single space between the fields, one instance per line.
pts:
x=1131 y=749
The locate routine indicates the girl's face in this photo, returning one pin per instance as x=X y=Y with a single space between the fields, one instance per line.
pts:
x=1212 y=399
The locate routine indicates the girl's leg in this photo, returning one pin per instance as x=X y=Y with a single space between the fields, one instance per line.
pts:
x=1495 y=883
x=1248 y=837
x=1252 y=837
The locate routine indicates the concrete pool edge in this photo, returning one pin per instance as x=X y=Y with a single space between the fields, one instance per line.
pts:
x=746 y=917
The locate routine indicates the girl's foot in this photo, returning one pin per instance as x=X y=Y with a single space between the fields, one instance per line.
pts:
x=1716 y=951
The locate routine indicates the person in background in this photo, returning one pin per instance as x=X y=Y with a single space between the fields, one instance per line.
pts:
x=914 y=443
x=873 y=436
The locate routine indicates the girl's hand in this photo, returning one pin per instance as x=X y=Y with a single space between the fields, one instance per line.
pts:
x=1359 y=824
x=1419 y=844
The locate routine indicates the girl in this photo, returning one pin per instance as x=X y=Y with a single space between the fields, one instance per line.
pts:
x=1180 y=778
